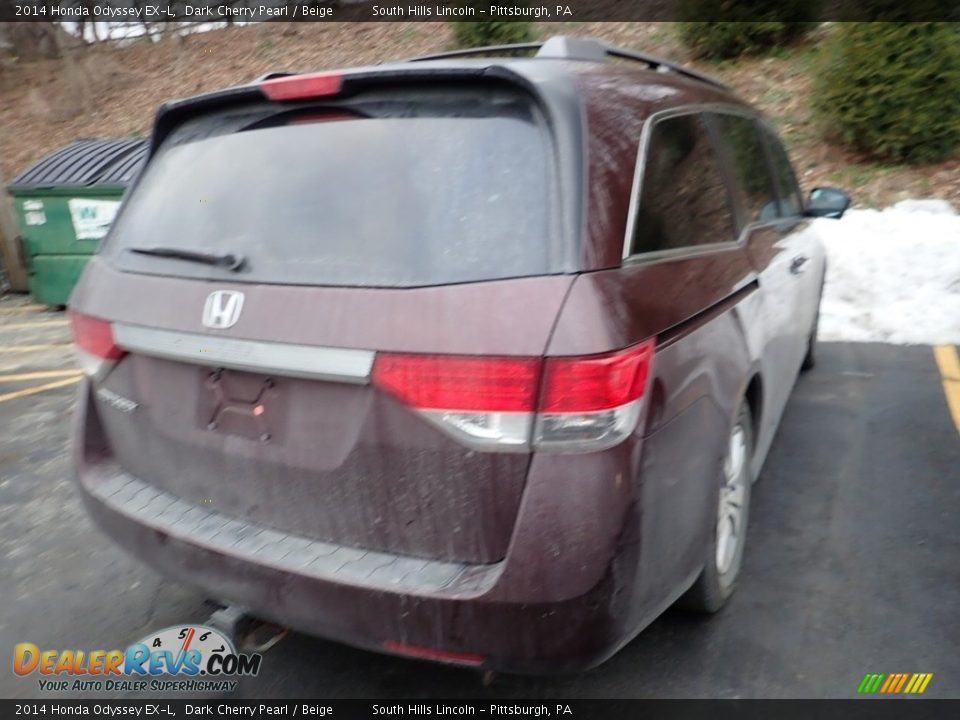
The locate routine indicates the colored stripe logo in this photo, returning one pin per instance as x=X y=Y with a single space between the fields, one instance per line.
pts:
x=894 y=683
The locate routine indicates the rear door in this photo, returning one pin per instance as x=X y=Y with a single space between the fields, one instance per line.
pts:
x=772 y=248
x=281 y=277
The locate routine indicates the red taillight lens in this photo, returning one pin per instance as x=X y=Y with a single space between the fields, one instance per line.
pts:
x=302 y=87
x=446 y=656
x=94 y=336
x=453 y=382
x=490 y=403
x=602 y=382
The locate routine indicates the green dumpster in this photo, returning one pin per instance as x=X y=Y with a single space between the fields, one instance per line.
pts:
x=65 y=204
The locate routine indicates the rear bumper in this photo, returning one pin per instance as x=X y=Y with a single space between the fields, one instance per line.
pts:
x=528 y=638
x=547 y=607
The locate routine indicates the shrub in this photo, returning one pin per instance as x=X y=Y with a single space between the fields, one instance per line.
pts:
x=737 y=27
x=894 y=10
x=481 y=33
x=891 y=90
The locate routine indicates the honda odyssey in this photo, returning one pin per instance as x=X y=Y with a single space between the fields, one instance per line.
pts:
x=471 y=358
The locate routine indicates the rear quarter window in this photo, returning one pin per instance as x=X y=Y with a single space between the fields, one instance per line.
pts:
x=683 y=199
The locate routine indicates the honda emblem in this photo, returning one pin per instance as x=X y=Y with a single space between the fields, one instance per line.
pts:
x=222 y=309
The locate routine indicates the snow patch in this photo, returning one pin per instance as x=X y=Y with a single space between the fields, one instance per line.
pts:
x=893 y=275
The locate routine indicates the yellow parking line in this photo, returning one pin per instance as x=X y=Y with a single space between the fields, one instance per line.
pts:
x=39 y=389
x=949 y=363
x=23 y=309
x=33 y=348
x=39 y=375
x=38 y=324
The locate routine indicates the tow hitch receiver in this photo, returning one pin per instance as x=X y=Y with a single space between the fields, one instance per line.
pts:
x=246 y=632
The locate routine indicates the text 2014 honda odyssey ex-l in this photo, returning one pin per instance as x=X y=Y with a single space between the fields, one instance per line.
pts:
x=472 y=358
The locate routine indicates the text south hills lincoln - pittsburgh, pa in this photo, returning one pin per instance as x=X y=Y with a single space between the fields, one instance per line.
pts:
x=424 y=10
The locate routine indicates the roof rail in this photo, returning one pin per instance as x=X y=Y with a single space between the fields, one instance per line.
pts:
x=655 y=63
x=561 y=47
x=479 y=51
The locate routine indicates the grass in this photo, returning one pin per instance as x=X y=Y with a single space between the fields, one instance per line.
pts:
x=409 y=35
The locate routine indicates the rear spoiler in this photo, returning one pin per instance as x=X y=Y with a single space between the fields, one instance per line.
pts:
x=270 y=87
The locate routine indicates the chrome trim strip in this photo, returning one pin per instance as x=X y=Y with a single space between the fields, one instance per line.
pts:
x=680 y=253
x=304 y=361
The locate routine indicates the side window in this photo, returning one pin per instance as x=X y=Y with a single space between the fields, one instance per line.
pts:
x=791 y=200
x=754 y=187
x=683 y=200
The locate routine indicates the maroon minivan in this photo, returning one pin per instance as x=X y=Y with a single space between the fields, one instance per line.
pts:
x=470 y=358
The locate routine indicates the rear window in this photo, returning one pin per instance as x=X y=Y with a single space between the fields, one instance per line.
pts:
x=394 y=191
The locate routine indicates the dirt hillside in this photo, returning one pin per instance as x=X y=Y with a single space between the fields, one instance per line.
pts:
x=111 y=91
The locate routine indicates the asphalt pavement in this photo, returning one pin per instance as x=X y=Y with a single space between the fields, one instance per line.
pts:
x=852 y=562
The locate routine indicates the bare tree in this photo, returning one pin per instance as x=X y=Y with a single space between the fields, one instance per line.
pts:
x=32 y=40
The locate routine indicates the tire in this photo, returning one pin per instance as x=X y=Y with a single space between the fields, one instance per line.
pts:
x=721 y=567
x=810 y=358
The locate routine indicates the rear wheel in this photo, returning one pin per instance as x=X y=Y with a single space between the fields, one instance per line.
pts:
x=729 y=527
x=810 y=358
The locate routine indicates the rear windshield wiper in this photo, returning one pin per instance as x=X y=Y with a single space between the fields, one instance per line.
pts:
x=225 y=260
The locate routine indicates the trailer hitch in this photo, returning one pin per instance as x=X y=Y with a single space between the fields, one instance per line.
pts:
x=246 y=632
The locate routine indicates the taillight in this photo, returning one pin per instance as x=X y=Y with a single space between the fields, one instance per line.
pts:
x=97 y=350
x=598 y=382
x=485 y=401
x=302 y=87
x=585 y=403
x=444 y=656
x=438 y=382
x=592 y=402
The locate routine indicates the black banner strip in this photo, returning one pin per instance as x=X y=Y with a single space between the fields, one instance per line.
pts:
x=160 y=11
x=860 y=709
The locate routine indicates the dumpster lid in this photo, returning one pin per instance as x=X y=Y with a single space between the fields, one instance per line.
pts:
x=86 y=164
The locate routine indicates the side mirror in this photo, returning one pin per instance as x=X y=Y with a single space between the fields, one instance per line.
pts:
x=828 y=202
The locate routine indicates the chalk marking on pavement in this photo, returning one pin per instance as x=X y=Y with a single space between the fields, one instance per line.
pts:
x=39 y=375
x=40 y=388
x=949 y=363
x=33 y=348
x=37 y=324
